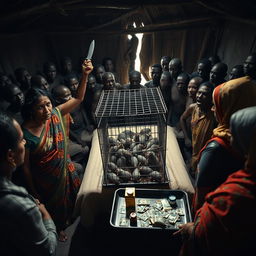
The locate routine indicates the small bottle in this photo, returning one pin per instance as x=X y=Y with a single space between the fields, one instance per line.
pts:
x=172 y=201
x=129 y=200
x=133 y=219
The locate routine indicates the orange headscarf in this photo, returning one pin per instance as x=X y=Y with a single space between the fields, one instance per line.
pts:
x=228 y=98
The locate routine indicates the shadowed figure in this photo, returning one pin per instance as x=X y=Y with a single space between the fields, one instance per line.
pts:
x=236 y=72
x=23 y=78
x=165 y=63
x=16 y=98
x=218 y=73
x=134 y=81
x=155 y=74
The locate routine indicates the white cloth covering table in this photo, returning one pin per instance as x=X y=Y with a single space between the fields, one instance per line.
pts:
x=94 y=199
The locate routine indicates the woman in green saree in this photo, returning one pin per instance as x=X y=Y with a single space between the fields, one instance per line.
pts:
x=50 y=174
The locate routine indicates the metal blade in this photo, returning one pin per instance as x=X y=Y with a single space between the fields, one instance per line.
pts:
x=91 y=50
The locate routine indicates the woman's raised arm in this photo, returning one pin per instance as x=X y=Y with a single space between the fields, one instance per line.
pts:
x=68 y=106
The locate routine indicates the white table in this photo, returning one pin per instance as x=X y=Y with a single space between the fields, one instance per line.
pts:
x=93 y=198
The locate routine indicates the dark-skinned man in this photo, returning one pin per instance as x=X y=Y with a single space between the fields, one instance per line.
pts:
x=155 y=73
x=134 y=81
x=218 y=73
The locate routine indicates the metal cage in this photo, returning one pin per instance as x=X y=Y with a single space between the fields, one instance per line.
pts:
x=132 y=136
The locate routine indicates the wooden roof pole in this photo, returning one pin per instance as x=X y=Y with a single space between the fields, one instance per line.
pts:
x=227 y=15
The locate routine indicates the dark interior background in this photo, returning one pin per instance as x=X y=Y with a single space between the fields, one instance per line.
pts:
x=33 y=32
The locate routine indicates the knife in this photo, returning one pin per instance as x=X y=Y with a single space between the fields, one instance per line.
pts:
x=91 y=50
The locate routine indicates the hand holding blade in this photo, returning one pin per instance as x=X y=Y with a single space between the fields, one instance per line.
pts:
x=90 y=53
x=91 y=50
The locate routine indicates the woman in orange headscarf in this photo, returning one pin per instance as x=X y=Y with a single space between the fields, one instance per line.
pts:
x=217 y=159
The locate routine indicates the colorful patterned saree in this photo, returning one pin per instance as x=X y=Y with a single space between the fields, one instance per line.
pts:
x=52 y=170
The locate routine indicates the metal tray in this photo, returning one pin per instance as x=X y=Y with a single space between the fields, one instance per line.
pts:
x=152 y=216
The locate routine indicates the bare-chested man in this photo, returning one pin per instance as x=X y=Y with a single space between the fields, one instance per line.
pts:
x=166 y=88
x=178 y=100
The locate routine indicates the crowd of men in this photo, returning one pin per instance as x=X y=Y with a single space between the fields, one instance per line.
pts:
x=180 y=91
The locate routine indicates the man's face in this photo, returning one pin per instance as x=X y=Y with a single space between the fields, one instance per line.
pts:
x=26 y=78
x=51 y=73
x=156 y=74
x=5 y=80
x=99 y=73
x=250 y=66
x=44 y=84
x=109 y=82
x=67 y=67
x=234 y=73
x=91 y=82
x=181 y=84
x=135 y=81
x=202 y=71
x=18 y=98
x=165 y=64
x=192 y=89
x=216 y=74
x=73 y=85
x=204 y=97
x=109 y=66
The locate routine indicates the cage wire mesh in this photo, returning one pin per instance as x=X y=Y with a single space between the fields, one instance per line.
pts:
x=132 y=136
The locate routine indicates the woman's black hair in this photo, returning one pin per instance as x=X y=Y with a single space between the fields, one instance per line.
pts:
x=9 y=136
x=31 y=99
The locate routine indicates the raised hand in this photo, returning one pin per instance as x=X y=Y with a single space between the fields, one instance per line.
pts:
x=87 y=67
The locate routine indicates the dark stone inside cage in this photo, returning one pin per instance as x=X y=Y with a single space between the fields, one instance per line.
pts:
x=132 y=136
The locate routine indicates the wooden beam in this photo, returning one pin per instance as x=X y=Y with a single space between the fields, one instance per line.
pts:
x=25 y=12
x=52 y=6
x=166 y=26
x=149 y=17
x=199 y=22
x=121 y=17
x=226 y=14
